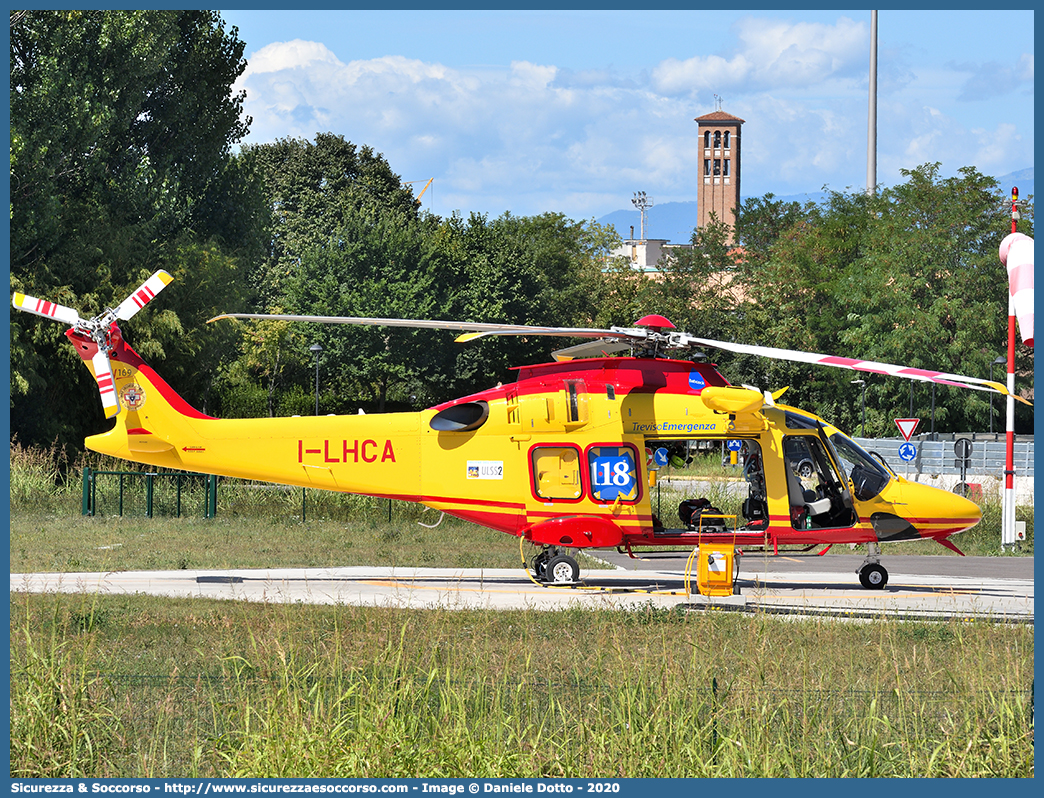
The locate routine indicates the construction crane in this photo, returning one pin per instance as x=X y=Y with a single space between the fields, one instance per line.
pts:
x=417 y=201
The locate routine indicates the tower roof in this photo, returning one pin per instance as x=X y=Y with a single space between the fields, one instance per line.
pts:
x=719 y=116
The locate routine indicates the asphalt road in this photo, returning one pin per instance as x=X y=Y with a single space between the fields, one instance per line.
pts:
x=898 y=565
x=919 y=586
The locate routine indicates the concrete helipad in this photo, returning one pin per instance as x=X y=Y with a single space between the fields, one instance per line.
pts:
x=818 y=588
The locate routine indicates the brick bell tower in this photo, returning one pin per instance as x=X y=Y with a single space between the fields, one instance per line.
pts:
x=719 y=184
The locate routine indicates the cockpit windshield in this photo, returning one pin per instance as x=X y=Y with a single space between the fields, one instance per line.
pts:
x=868 y=475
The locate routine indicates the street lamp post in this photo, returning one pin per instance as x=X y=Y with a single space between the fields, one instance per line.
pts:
x=862 y=401
x=315 y=349
x=933 y=411
x=1000 y=361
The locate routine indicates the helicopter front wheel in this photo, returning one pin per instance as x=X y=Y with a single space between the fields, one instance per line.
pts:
x=873 y=576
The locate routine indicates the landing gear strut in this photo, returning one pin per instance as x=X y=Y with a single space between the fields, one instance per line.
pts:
x=540 y=564
x=872 y=575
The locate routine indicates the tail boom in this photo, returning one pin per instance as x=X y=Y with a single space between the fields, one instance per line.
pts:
x=373 y=455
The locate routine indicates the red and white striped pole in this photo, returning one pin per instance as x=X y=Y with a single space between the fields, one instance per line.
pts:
x=1008 y=504
x=1016 y=253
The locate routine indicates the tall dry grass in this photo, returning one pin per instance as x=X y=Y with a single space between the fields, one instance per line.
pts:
x=219 y=689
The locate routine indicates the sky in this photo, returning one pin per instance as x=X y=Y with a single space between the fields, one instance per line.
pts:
x=530 y=111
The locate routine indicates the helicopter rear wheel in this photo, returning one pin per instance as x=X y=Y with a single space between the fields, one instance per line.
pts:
x=562 y=570
x=873 y=576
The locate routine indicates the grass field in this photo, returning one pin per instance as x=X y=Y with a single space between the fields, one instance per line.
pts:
x=66 y=544
x=139 y=686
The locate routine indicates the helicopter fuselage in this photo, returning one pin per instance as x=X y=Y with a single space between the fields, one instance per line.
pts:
x=581 y=454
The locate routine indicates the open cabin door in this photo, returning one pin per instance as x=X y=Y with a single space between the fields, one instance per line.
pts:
x=816 y=487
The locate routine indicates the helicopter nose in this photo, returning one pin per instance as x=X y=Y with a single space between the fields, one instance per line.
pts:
x=910 y=511
x=937 y=513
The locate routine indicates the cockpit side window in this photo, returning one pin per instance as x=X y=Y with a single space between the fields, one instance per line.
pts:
x=814 y=487
x=868 y=476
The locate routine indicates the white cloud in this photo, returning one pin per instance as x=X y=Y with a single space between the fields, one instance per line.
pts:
x=530 y=137
x=771 y=53
x=534 y=76
x=289 y=55
x=1025 y=68
x=993 y=148
x=519 y=137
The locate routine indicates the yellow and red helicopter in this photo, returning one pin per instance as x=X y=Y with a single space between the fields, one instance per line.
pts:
x=567 y=456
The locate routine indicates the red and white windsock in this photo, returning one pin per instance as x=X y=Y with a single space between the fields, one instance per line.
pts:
x=1016 y=253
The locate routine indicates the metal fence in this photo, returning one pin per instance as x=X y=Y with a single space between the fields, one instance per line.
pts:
x=937 y=457
x=149 y=493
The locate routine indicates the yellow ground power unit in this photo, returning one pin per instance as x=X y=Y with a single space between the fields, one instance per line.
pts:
x=714 y=569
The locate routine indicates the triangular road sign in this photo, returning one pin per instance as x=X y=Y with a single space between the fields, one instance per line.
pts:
x=907 y=426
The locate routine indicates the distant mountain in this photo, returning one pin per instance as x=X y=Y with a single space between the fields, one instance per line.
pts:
x=1022 y=178
x=675 y=221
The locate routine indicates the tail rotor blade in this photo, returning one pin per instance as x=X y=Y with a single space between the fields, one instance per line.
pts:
x=49 y=310
x=106 y=386
x=143 y=295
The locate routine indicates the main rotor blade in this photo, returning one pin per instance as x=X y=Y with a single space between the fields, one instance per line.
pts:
x=671 y=340
x=589 y=349
x=144 y=294
x=869 y=366
x=49 y=310
x=553 y=332
x=471 y=330
x=106 y=386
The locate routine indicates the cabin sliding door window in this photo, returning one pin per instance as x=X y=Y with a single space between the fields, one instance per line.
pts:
x=613 y=473
x=556 y=472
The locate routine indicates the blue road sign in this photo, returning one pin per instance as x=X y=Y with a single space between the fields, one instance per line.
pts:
x=907 y=452
x=734 y=446
x=660 y=456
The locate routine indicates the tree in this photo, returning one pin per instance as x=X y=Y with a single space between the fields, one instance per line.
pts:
x=121 y=119
x=340 y=249
x=121 y=128
x=543 y=270
x=930 y=291
x=373 y=265
x=760 y=221
x=311 y=189
x=910 y=276
x=696 y=291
